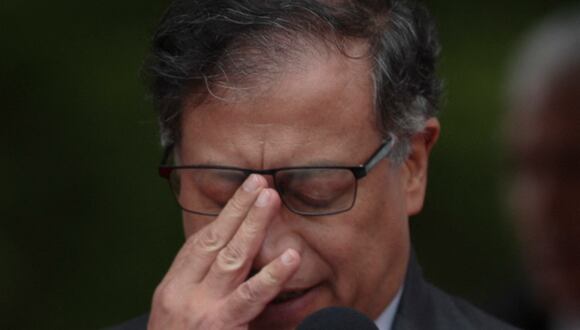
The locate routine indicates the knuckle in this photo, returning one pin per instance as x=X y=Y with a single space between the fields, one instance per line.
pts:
x=209 y=241
x=205 y=322
x=249 y=293
x=171 y=307
x=194 y=316
x=161 y=292
x=230 y=258
x=236 y=205
x=251 y=228
x=164 y=299
x=270 y=278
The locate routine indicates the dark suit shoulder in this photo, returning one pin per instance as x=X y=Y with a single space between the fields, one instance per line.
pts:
x=460 y=313
x=138 y=323
x=424 y=306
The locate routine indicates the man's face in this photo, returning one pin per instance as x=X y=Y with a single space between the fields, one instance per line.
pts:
x=546 y=192
x=320 y=114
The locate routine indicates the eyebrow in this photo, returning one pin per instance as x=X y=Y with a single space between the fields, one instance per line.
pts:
x=328 y=163
x=244 y=164
x=316 y=163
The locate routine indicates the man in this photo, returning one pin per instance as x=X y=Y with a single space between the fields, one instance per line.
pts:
x=298 y=135
x=543 y=129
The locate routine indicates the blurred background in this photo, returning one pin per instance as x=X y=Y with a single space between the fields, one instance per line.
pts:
x=87 y=229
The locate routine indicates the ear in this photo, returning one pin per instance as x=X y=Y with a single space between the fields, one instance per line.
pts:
x=416 y=165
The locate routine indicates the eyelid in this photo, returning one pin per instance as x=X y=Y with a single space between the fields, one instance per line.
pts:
x=315 y=202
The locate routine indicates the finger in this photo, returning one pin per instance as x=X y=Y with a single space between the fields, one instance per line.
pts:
x=199 y=251
x=234 y=261
x=252 y=296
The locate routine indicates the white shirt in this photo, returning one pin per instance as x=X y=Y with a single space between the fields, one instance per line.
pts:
x=385 y=320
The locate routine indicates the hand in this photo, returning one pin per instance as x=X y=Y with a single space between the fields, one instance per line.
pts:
x=206 y=287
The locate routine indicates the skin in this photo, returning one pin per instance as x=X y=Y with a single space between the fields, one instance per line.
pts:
x=356 y=259
x=543 y=142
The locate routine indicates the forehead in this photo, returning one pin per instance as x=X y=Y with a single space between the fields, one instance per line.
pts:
x=313 y=112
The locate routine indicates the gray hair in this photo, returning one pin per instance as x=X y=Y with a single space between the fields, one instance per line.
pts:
x=204 y=43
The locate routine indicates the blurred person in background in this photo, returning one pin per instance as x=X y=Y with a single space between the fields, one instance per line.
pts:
x=298 y=136
x=543 y=134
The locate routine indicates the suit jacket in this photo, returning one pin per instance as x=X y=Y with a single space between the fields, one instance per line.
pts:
x=422 y=307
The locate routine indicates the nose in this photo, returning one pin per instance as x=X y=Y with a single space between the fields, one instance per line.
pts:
x=282 y=234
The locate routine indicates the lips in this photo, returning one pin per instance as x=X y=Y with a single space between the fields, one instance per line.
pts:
x=289 y=307
x=285 y=296
x=289 y=295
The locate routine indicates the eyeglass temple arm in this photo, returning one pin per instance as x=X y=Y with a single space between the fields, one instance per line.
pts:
x=164 y=171
x=381 y=153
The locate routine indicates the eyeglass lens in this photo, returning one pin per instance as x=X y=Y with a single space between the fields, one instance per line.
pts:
x=305 y=191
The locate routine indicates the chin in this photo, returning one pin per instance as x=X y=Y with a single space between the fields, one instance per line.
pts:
x=288 y=312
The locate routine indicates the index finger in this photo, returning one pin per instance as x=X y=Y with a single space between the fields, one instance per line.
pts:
x=200 y=250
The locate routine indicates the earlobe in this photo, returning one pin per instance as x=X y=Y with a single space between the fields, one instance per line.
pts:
x=417 y=163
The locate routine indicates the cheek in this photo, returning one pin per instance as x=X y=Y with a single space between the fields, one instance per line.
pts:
x=366 y=245
x=193 y=223
x=381 y=209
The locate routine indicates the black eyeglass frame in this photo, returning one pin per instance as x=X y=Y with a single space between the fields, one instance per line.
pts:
x=359 y=172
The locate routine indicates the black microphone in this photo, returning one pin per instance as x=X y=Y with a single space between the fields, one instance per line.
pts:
x=337 y=318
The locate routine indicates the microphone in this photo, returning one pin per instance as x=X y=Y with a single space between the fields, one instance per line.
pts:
x=337 y=318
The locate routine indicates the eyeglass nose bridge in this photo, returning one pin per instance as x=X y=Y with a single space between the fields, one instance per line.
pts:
x=270 y=177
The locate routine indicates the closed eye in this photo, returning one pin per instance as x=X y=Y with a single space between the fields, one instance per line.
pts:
x=310 y=200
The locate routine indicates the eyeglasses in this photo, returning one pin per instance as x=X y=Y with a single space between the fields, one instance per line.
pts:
x=308 y=191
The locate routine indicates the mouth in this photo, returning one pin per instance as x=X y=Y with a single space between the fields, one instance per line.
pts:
x=290 y=307
x=287 y=296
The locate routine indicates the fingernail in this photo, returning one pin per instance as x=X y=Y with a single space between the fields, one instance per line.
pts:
x=289 y=257
x=263 y=198
x=251 y=184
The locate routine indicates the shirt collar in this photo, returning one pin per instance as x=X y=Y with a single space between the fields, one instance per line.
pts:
x=385 y=320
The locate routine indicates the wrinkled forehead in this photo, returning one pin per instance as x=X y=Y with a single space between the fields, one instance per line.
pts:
x=322 y=109
x=251 y=65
